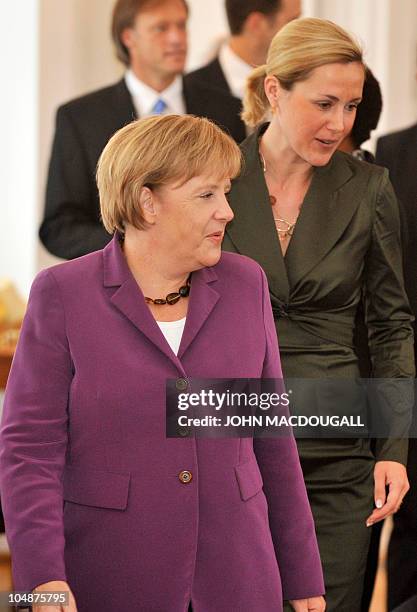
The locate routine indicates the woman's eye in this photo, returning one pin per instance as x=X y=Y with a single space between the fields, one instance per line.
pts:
x=352 y=107
x=207 y=195
x=324 y=105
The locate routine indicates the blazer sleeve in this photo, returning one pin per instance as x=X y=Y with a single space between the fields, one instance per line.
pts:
x=389 y=320
x=290 y=517
x=33 y=440
x=71 y=226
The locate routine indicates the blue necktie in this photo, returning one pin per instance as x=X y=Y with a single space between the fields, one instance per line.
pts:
x=159 y=107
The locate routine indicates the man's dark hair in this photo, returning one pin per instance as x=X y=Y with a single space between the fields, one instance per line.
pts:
x=124 y=14
x=238 y=11
x=369 y=110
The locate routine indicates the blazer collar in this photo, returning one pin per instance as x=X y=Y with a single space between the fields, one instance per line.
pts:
x=129 y=300
x=191 y=98
x=327 y=209
x=218 y=76
x=123 y=103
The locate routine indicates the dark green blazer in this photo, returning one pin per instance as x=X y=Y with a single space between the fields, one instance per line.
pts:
x=345 y=247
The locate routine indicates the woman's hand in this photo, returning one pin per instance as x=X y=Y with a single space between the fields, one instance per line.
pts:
x=312 y=604
x=55 y=585
x=393 y=475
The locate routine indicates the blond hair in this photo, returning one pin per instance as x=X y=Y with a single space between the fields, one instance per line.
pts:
x=295 y=51
x=157 y=151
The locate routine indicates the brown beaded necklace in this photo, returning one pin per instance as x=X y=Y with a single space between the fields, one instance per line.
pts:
x=172 y=298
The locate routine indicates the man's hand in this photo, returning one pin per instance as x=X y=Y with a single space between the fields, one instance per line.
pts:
x=312 y=604
x=393 y=475
x=55 y=585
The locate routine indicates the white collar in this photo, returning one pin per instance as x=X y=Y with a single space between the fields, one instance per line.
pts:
x=144 y=97
x=235 y=70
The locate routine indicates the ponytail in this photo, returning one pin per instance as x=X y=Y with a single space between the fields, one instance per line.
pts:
x=255 y=102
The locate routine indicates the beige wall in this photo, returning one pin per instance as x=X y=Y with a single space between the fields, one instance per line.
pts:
x=76 y=56
x=19 y=140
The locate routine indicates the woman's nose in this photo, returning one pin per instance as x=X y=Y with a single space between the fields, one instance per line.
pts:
x=337 y=121
x=225 y=212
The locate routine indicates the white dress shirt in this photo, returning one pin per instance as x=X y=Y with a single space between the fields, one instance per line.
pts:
x=144 y=97
x=235 y=70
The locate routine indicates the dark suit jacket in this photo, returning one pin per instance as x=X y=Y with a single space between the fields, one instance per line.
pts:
x=398 y=153
x=346 y=241
x=71 y=225
x=89 y=479
x=212 y=76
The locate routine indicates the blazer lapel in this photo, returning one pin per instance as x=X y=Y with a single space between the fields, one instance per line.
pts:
x=328 y=207
x=123 y=108
x=203 y=299
x=218 y=105
x=117 y=111
x=129 y=300
x=216 y=75
x=252 y=230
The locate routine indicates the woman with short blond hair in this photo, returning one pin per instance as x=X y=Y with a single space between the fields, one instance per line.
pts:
x=97 y=500
x=325 y=228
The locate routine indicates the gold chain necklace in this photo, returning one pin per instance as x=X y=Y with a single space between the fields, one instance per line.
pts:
x=287 y=229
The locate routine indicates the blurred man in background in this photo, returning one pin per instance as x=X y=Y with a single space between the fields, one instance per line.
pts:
x=253 y=24
x=150 y=37
x=398 y=153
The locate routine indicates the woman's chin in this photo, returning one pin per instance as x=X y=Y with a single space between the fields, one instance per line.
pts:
x=323 y=158
x=211 y=258
x=318 y=161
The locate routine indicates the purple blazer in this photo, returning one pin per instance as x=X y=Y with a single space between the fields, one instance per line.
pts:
x=89 y=481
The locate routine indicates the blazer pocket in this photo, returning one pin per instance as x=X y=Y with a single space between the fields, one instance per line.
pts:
x=249 y=479
x=96 y=488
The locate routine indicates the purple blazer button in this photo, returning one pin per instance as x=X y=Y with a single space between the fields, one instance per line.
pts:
x=181 y=384
x=185 y=476
x=184 y=432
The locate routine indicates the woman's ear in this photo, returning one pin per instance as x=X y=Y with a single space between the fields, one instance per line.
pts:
x=273 y=90
x=147 y=204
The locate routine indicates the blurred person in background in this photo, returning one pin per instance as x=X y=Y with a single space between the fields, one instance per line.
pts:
x=366 y=120
x=402 y=567
x=252 y=24
x=325 y=227
x=97 y=500
x=398 y=152
x=150 y=37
